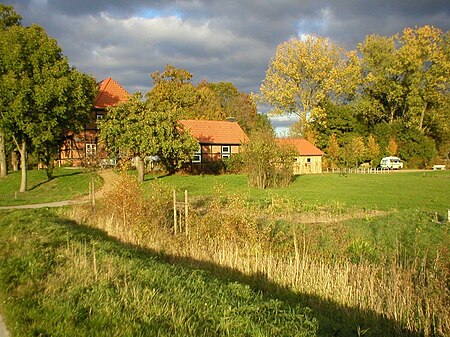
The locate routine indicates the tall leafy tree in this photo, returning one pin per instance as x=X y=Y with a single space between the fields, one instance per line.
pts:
x=41 y=95
x=306 y=73
x=373 y=149
x=333 y=150
x=354 y=151
x=8 y=18
x=406 y=77
x=139 y=128
x=174 y=92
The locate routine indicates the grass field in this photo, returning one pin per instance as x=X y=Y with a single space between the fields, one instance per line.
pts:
x=425 y=190
x=368 y=253
x=59 y=279
x=66 y=184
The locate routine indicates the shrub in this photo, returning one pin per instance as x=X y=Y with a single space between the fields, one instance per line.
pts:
x=267 y=163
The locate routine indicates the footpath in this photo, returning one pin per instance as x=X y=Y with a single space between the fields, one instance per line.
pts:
x=108 y=177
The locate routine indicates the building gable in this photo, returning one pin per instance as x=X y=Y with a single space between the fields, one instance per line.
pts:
x=110 y=93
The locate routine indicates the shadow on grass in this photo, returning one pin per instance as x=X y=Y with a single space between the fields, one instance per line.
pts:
x=156 y=176
x=57 y=175
x=334 y=319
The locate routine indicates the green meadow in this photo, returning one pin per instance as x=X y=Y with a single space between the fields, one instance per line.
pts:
x=426 y=190
x=66 y=184
x=342 y=255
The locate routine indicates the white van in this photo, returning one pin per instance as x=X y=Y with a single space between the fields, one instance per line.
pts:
x=393 y=163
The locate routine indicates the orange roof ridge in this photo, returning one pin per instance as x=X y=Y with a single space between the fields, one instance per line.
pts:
x=303 y=147
x=215 y=132
x=110 y=93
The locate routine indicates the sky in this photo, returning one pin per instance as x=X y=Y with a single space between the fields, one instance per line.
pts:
x=216 y=40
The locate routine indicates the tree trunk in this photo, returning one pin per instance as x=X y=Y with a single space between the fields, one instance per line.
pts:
x=422 y=117
x=140 y=169
x=14 y=161
x=3 y=164
x=49 y=170
x=23 y=166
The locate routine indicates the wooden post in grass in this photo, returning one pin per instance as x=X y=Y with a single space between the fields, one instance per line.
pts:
x=186 y=211
x=178 y=207
x=175 y=211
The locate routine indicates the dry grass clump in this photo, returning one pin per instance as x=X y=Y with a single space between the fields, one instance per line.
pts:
x=285 y=243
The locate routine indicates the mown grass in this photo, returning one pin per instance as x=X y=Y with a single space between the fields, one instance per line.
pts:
x=59 y=279
x=425 y=190
x=66 y=184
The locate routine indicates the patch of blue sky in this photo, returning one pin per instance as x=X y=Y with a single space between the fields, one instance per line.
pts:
x=151 y=13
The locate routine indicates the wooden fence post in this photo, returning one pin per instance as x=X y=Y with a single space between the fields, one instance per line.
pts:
x=186 y=211
x=175 y=211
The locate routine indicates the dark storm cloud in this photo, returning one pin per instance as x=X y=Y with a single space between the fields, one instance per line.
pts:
x=216 y=40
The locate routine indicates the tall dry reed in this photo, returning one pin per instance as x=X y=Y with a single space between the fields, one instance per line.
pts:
x=273 y=242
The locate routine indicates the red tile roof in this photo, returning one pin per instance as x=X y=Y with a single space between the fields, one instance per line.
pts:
x=110 y=93
x=215 y=132
x=303 y=147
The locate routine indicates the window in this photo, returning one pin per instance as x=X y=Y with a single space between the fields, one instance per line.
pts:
x=197 y=157
x=99 y=116
x=225 y=149
x=91 y=149
x=225 y=155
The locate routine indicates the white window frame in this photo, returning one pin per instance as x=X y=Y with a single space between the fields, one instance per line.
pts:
x=91 y=149
x=197 y=158
x=99 y=116
x=226 y=149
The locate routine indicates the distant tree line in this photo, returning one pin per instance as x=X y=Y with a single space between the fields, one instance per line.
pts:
x=391 y=96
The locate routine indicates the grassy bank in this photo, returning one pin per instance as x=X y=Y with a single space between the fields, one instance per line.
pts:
x=59 y=279
x=371 y=271
x=66 y=184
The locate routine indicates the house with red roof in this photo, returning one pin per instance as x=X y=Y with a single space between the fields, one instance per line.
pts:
x=217 y=139
x=77 y=147
x=309 y=157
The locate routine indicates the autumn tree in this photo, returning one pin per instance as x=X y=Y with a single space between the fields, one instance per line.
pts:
x=306 y=73
x=373 y=149
x=354 y=151
x=41 y=95
x=392 y=147
x=139 y=128
x=333 y=150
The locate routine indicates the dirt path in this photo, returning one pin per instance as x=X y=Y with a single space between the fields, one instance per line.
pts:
x=108 y=177
x=3 y=331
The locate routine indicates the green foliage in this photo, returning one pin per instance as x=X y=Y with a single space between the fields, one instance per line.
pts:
x=406 y=77
x=64 y=280
x=8 y=17
x=41 y=96
x=267 y=163
x=139 y=128
x=412 y=145
x=174 y=92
